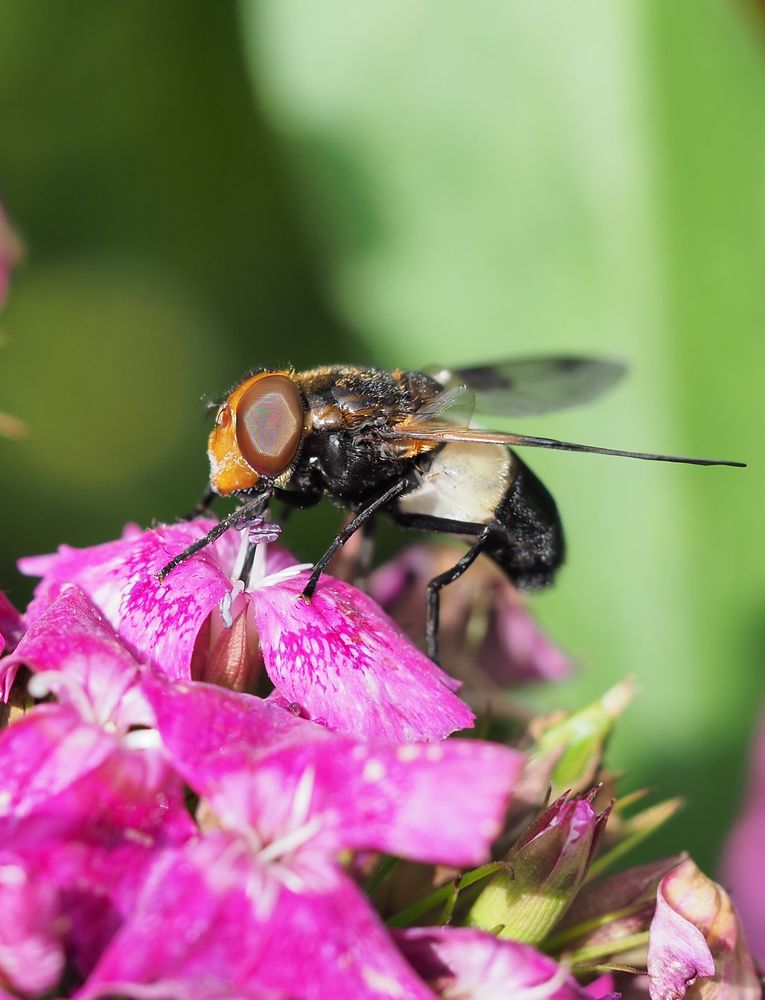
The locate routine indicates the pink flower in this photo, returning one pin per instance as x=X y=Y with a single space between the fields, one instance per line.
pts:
x=338 y=660
x=743 y=867
x=695 y=936
x=283 y=801
x=11 y=625
x=10 y=254
x=484 y=620
x=31 y=947
x=87 y=800
x=472 y=965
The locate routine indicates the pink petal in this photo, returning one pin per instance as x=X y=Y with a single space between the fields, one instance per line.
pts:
x=347 y=665
x=474 y=965
x=251 y=932
x=250 y=760
x=484 y=619
x=101 y=869
x=10 y=254
x=677 y=950
x=743 y=866
x=515 y=650
x=158 y=621
x=31 y=951
x=91 y=814
x=100 y=676
x=11 y=624
x=601 y=988
x=41 y=755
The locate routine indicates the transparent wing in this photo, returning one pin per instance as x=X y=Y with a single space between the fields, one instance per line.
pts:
x=532 y=386
x=441 y=433
x=451 y=408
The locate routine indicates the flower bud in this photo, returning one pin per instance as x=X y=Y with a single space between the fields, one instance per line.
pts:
x=544 y=871
x=581 y=737
x=611 y=911
x=695 y=935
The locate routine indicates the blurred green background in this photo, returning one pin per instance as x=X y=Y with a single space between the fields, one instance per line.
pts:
x=203 y=187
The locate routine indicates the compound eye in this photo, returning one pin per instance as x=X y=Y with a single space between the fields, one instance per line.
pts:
x=269 y=424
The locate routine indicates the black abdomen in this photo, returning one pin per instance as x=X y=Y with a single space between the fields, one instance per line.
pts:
x=529 y=545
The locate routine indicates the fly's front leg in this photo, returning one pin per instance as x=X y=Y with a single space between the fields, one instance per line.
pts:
x=442 y=580
x=357 y=521
x=204 y=505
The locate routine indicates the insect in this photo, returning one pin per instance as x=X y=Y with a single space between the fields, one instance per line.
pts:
x=401 y=444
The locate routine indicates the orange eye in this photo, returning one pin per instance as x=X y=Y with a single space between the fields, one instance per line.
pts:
x=269 y=424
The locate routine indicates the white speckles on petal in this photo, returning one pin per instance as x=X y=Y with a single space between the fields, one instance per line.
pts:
x=410 y=753
x=380 y=983
x=345 y=662
x=374 y=770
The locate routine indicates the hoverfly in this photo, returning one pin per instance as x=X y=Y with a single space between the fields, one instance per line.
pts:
x=400 y=443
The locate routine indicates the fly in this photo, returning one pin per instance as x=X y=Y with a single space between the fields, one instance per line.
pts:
x=402 y=444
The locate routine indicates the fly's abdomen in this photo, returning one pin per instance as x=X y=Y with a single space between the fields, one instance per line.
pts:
x=529 y=546
x=463 y=489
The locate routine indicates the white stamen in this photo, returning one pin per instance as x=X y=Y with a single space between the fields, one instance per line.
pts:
x=227 y=601
x=285 y=574
x=142 y=739
x=290 y=841
x=301 y=801
x=259 y=564
x=56 y=682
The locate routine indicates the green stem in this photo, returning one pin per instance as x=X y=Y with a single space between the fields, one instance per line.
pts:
x=407 y=916
x=556 y=941
x=384 y=869
x=607 y=948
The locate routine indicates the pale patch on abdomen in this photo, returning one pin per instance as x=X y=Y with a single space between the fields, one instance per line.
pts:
x=465 y=482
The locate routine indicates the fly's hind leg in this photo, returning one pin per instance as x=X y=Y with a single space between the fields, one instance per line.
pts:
x=442 y=580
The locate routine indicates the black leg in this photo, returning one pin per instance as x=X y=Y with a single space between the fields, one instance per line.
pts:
x=353 y=526
x=435 y=585
x=244 y=513
x=249 y=559
x=203 y=506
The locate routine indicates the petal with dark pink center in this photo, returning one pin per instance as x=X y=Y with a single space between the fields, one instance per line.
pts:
x=347 y=665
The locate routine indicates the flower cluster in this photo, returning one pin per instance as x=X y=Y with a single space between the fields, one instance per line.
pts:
x=212 y=789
